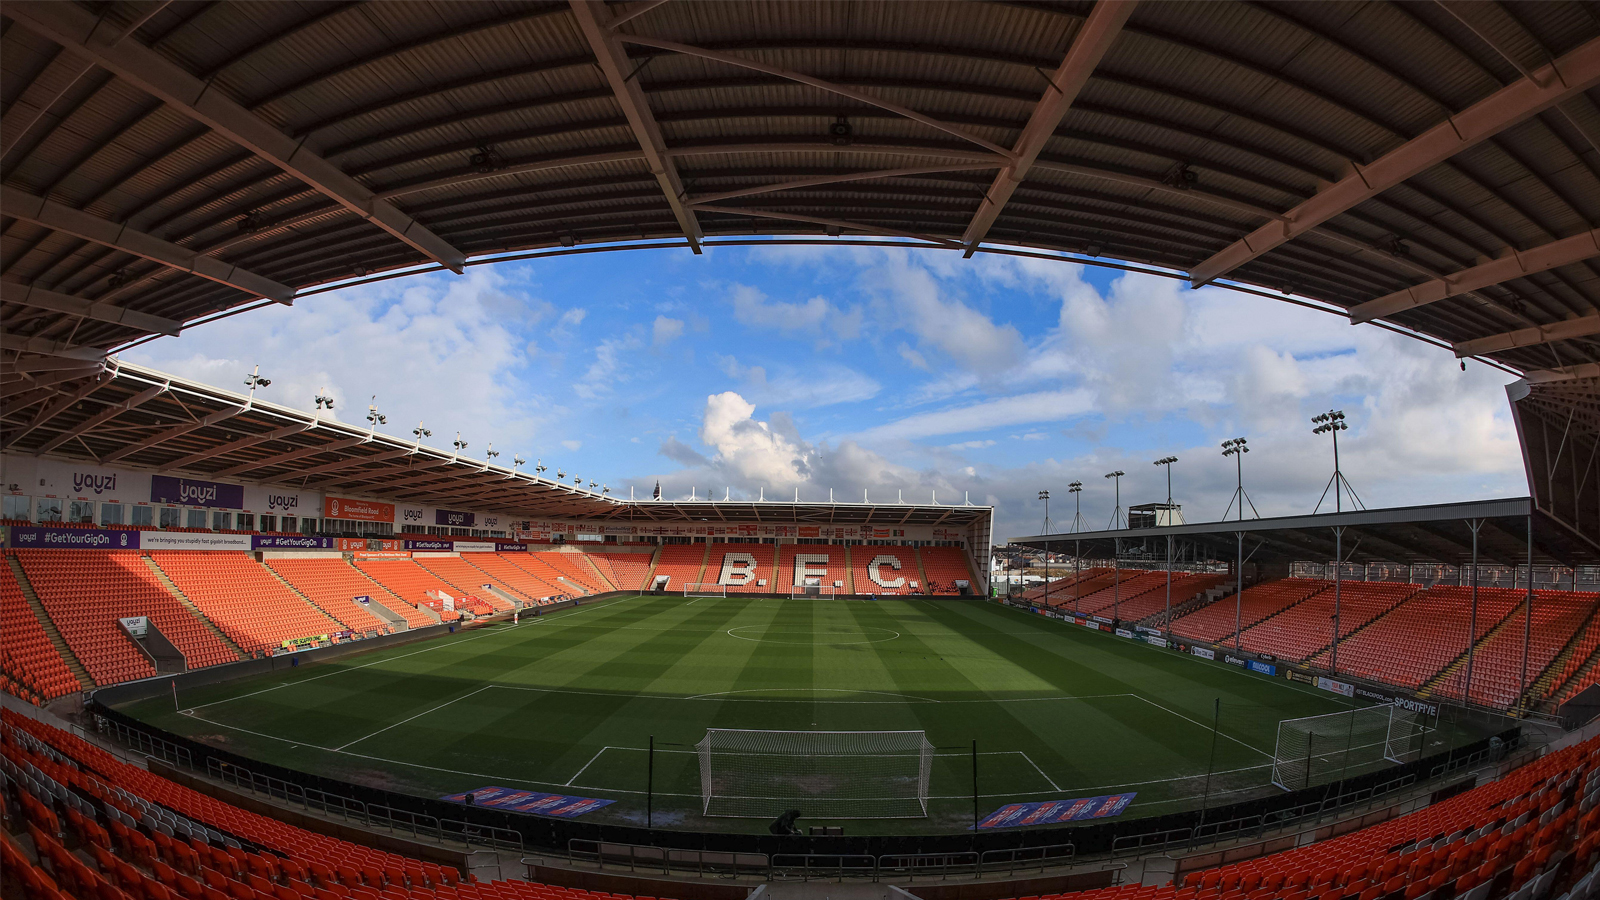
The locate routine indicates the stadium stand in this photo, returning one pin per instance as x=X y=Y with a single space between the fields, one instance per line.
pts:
x=625 y=570
x=1072 y=596
x=1578 y=672
x=1215 y=621
x=30 y=667
x=765 y=579
x=1431 y=626
x=1497 y=664
x=831 y=568
x=1124 y=586
x=1058 y=585
x=681 y=564
x=332 y=584
x=468 y=578
x=254 y=609
x=512 y=578
x=944 y=566
x=1300 y=631
x=166 y=841
x=85 y=592
x=572 y=567
x=408 y=581
x=1153 y=601
x=861 y=563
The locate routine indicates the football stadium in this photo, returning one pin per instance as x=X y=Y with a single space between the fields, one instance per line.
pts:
x=250 y=650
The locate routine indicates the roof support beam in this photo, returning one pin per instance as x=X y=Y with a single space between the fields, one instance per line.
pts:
x=1517 y=264
x=78 y=223
x=830 y=87
x=1528 y=337
x=595 y=21
x=835 y=179
x=1569 y=373
x=1549 y=85
x=241 y=443
x=61 y=406
x=24 y=344
x=422 y=466
x=221 y=415
x=39 y=298
x=103 y=416
x=1089 y=46
x=829 y=223
x=353 y=461
x=99 y=41
x=291 y=456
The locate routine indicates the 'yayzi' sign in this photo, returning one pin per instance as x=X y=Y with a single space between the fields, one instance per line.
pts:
x=193 y=492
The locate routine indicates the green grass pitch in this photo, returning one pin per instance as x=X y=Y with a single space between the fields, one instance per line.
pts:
x=567 y=703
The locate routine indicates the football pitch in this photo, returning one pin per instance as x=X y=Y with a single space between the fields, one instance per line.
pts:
x=569 y=702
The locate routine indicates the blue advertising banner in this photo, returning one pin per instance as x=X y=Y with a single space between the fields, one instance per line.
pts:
x=1263 y=668
x=72 y=538
x=445 y=545
x=290 y=542
x=1054 y=812
x=193 y=492
x=458 y=519
x=557 y=805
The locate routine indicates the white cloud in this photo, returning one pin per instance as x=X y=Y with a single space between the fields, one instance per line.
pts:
x=1020 y=409
x=572 y=445
x=665 y=331
x=821 y=384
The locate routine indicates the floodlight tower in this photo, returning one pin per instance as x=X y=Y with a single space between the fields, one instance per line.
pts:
x=1076 y=490
x=1118 y=520
x=1045 y=496
x=1237 y=448
x=1168 y=461
x=1332 y=422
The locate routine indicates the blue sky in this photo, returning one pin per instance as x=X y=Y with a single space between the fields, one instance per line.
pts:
x=899 y=372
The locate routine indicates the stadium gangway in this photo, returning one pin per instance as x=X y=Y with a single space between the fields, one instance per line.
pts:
x=666 y=860
x=372 y=815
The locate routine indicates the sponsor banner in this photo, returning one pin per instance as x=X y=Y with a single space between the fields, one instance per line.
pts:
x=410 y=515
x=1292 y=675
x=73 y=538
x=290 y=542
x=1155 y=641
x=560 y=806
x=387 y=545
x=1203 y=652
x=1088 y=624
x=513 y=547
x=1232 y=660
x=138 y=626
x=305 y=643
x=279 y=503
x=451 y=517
x=1053 y=812
x=1146 y=629
x=1263 y=668
x=1101 y=619
x=1383 y=695
x=363 y=599
x=383 y=554
x=193 y=492
x=474 y=546
x=186 y=540
x=352 y=543
x=595 y=538
x=1123 y=632
x=357 y=510
x=445 y=545
x=1337 y=687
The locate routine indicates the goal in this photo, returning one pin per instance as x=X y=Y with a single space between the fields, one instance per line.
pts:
x=824 y=774
x=812 y=590
x=1322 y=748
x=705 y=590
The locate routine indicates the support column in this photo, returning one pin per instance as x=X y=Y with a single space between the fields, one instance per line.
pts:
x=1338 y=566
x=1472 y=625
x=1527 y=619
x=1238 y=594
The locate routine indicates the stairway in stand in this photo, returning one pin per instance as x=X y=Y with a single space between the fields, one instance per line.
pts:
x=56 y=640
x=193 y=610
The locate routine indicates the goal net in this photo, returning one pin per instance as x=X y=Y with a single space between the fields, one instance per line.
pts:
x=705 y=590
x=1316 y=749
x=812 y=590
x=824 y=774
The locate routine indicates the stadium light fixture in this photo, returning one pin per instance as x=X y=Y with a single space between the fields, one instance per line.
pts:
x=375 y=418
x=561 y=474
x=1237 y=448
x=1168 y=461
x=254 y=380
x=1332 y=422
x=1076 y=490
x=458 y=443
x=517 y=462
x=421 y=432
x=491 y=453
x=1045 y=496
x=540 y=467
x=323 y=400
x=1116 y=514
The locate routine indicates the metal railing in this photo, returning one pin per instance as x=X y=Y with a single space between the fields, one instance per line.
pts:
x=942 y=866
x=1013 y=859
x=137 y=740
x=666 y=860
x=823 y=866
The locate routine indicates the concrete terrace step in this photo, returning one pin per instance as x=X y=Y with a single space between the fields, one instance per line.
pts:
x=56 y=640
x=188 y=604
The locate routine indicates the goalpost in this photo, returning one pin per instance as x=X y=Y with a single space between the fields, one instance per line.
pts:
x=1337 y=745
x=705 y=590
x=812 y=590
x=824 y=774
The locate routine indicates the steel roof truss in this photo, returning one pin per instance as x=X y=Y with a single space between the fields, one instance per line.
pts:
x=104 y=416
x=61 y=406
x=39 y=298
x=249 y=441
x=220 y=415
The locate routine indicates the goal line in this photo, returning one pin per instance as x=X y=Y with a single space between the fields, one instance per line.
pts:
x=699 y=589
x=824 y=774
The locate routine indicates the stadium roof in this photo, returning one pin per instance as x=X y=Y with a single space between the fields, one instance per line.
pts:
x=120 y=414
x=1437 y=533
x=1435 y=165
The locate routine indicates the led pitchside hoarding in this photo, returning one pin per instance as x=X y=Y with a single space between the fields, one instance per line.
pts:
x=72 y=538
x=290 y=542
x=193 y=492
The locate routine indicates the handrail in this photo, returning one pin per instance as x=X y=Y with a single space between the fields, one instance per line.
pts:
x=666 y=859
x=910 y=865
x=147 y=744
x=851 y=864
x=989 y=860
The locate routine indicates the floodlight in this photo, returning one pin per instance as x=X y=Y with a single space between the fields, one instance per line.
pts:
x=458 y=443
x=491 y=453
x=517 y=461
x=254 y=380
x=421 y=432
x=373 y=416
x=1117 y=474
x=540 y=467
x=323 y=401
x=1332 y=422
